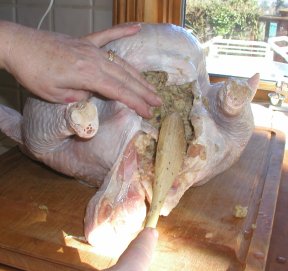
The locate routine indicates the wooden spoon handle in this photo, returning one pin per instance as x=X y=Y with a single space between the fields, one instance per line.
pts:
x=170 y=153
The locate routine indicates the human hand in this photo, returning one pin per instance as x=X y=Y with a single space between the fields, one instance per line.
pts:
x=138 y=255
x=62 y=69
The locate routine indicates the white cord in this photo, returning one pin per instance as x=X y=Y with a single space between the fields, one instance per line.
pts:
x=45 y=14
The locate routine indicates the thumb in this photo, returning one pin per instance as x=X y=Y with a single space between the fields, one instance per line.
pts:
x=101 y=38
x=65 y=96
x=138 y=255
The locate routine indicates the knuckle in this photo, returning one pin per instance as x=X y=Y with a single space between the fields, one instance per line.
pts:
x=124 y=64
x=80 y=64
x=121 y=91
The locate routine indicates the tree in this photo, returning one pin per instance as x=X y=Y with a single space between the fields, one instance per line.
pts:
x=236 y=19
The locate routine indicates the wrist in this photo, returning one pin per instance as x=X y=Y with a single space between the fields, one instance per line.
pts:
x=9 y=33
x=7 y=29
x=5 y=38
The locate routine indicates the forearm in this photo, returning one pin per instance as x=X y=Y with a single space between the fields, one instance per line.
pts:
x=13 y=37
x=7 y=30
x=62 y=69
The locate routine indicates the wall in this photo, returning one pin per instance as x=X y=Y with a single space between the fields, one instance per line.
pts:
x=73 y=17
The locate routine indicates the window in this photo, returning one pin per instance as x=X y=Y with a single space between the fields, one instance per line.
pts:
x=237 y=19
x=236 y=36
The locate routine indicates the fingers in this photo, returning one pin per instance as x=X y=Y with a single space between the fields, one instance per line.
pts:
x=64 y=96
x=123 y=82
x=134 y=73
x=72 y=96
x=126 y=86
x=99 y=39
x=138 y=255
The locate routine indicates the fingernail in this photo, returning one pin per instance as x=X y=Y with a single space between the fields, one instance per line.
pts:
x=138 y=25
x=69 y=100
x=153 y=88
x=154 y=232
x=150 y=112
x=159 y=100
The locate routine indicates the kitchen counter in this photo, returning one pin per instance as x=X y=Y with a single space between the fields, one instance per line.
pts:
x=6 y=144
x=200 y=234
x=38 y=223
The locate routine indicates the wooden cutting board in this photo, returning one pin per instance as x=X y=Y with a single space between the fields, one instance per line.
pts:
x=42 y=210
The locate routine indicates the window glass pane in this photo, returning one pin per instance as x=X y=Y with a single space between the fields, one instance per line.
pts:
x=242 y=37
x=237 y=19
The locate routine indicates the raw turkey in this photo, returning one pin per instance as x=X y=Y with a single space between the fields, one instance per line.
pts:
x=108 y=145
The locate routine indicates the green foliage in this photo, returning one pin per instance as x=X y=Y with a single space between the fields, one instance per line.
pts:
x=236 y=19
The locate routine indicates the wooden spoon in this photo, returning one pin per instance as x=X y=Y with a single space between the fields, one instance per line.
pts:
x=170 y=153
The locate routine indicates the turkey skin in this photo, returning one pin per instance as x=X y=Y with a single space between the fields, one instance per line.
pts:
x=109 y=146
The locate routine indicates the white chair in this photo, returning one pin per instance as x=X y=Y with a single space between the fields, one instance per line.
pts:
x=280 y=46
x=243 y=58
x=239 y=48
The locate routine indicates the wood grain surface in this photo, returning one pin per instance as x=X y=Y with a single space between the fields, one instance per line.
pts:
x=41 y=210
x=7 y=268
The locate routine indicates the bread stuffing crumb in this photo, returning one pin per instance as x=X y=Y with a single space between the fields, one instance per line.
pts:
x=209 y=235
x=240 y=211
x=43 y=207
